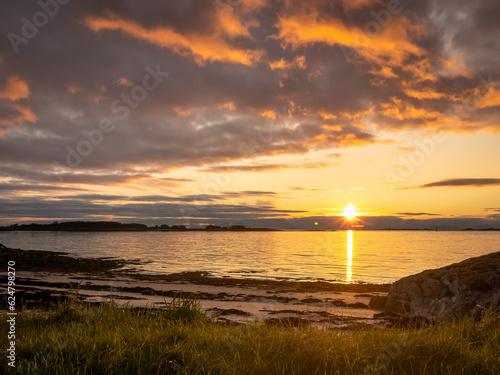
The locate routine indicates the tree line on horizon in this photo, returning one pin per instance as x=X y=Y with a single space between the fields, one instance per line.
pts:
x=114 y=226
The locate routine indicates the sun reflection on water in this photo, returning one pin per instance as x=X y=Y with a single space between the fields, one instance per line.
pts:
x=348 y=273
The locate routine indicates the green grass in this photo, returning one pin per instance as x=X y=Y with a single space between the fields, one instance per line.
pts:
x=76 y=339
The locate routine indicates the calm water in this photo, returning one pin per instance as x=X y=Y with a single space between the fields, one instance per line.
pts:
x=346 y=256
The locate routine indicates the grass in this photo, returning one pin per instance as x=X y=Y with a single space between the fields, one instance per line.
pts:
x=73 y=338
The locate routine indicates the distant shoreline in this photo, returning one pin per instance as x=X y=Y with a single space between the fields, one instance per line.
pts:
x=7 y=229
x=104 y=226
x=146 y=230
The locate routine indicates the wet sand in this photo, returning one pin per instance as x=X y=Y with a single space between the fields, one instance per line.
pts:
x=43 y=278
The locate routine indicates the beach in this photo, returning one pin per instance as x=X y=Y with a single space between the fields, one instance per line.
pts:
x=102 y=315
x=46 y=277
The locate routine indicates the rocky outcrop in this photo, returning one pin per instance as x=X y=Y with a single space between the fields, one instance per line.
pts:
x=448 y=292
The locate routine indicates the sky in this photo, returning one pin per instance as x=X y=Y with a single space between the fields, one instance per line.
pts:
x=274 y=113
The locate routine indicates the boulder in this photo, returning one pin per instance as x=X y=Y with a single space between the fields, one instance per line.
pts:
x=445 y=293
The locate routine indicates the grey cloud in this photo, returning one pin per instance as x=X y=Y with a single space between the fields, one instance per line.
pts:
x=76 y=208
x=155 y=138
x=160 y=198
x=165 y=139
x=298 y=188
x=246 y=193
x=69 y=178
x=476 y=182
x=13 y=187
x=416 y=214
x=263 y=167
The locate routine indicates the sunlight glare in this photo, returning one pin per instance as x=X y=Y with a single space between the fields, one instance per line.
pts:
x=350 y=246
x=350 y=211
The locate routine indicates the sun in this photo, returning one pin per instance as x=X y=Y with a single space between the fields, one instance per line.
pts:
x=350 y=211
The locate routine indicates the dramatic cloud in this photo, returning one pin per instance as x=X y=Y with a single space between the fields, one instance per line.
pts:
x=7 y=188
x=98 y=208
x=201 y=47
x=154 y=99
x=390 y=45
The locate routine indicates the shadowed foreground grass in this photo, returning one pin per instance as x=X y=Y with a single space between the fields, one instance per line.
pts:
x=77 y=339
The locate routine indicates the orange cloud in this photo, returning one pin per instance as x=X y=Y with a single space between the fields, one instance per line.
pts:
x=24 y=115
x=269 y=114
x=423 y=94
x=232 y=26
x=401 y=110
x=455 y=67
x=389 y=48
x=333 y=128
x=327 y=116
x=299 y=62
x=15 y=89
x=228 y=105
x=181 y=112
x=123 y=81
x=75 y=89
x=201 y=48
x=491 y=99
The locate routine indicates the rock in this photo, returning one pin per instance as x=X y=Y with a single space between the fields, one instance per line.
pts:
x=449 y=292
x=377 y=302
x=358 y=305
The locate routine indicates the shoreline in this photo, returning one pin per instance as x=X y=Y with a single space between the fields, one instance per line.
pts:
x=99 y=314
x=44 y=277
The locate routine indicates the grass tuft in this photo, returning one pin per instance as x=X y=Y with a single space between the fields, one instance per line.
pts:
x=72 y=338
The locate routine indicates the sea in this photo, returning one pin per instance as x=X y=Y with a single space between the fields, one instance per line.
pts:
x=339 y=256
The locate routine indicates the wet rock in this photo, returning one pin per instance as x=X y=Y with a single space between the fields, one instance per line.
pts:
x=339 y=303
x=311 y=300
x=459 y=289
x=358 y=305
x=377 y=302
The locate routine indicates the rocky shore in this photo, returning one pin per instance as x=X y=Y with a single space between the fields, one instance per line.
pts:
x=449 y=292
x=44 y=278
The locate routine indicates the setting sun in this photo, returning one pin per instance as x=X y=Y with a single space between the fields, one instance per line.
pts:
x=350 y=212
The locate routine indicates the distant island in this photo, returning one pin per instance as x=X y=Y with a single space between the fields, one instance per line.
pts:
x=112 y=226
x=440 y=229
x=492 y=229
